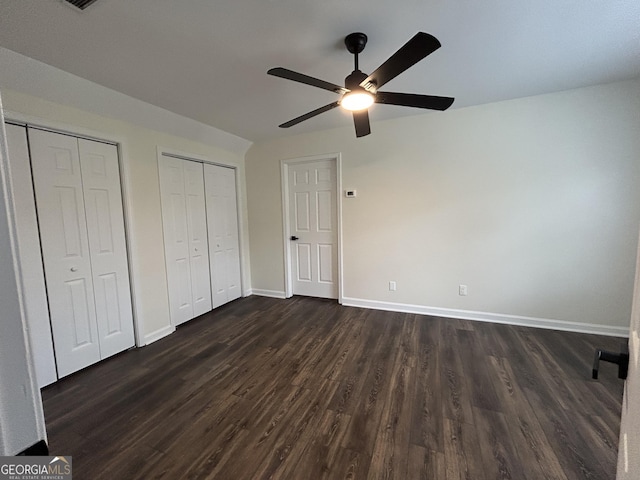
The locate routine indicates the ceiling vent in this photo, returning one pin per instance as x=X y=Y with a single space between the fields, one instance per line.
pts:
x=81 y=4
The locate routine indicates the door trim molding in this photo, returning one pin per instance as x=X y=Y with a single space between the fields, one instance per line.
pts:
x=286 y=227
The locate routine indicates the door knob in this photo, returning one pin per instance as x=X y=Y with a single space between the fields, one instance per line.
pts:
x=293 y=237
x=74 y=269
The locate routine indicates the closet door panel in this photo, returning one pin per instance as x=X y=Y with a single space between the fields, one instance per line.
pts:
x=198 y=242
x=231 y=242
x=222 y=222
x=35 y=294
x=65 y=249
x=176 y=239
x=107 y=245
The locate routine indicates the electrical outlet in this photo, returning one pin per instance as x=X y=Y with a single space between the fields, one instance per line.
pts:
x=462 y=290
x=392 y=286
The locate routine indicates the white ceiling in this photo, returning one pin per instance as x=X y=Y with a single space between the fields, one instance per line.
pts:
x=207 y=59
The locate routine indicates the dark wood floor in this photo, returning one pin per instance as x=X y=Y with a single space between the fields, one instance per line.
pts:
x=307 y=389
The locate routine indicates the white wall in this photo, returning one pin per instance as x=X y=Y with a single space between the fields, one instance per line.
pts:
x=533 y=203
x=21 y=417
x=140 y=129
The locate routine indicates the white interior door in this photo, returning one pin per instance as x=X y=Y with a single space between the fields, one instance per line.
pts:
x=65 y=249
x=222 y=223
x=34 y=291
x=197 y=231
x=313 y=228
x=107 y=247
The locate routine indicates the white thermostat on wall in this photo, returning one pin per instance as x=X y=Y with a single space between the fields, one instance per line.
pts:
x=349 y=193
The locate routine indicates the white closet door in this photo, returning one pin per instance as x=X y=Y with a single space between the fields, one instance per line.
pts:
x=198 y=243
x=176 y=239
x=107 y=247
x=222 y=222
x=35 y=294
x=185 y=237
x=65 y=249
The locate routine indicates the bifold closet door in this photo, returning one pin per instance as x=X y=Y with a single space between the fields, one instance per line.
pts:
x=30 y=253
x=222 y=222
x=107 y=246
x=77 y=188
x=198 y=241
x=185 y=238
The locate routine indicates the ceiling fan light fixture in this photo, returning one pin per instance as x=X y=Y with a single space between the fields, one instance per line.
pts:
x=360 y=90
x=356 y=100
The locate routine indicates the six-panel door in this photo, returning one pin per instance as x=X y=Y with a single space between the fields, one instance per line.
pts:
x=313 y=228
x=185 y=238
x=197 y=235
x=81 y=224
x=222 y=222
x=107 y=247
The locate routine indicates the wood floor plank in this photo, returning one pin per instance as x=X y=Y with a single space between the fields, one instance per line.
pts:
x=566 y=433
x=537 y=455
x=305 y=388
x=500 y=457
x=456 y=397
x=424 y=464
x=266 y=437
x=391 y=448
x=365 y=418
x=353 y=376
x=349 y=465
x=426 y=414
x=552 y=373
x=463 y=456
x=320 y=455
x=327 y=350
x=293 y=441
x=476 y=374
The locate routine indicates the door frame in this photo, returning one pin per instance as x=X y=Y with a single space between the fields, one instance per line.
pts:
x=181 y=155
x=286 y=224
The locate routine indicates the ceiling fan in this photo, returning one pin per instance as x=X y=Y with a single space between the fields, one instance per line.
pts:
x=361 y=90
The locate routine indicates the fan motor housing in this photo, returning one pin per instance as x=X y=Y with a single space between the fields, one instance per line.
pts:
x=355 y=42
x=353 y=81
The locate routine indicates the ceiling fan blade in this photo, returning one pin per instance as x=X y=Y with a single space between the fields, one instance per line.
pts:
x=306 y=79
x=414 y=100
x=421 y=45
x=309 y=115
x=361 y=121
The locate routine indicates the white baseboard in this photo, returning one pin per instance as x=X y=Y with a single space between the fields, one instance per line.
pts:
x=158 y=334
x=267 y=293
x=490 y=317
